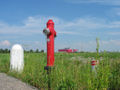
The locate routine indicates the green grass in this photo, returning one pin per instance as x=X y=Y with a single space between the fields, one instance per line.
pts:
x=69 y=73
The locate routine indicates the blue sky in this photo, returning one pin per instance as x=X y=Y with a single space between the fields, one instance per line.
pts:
x=77 y=23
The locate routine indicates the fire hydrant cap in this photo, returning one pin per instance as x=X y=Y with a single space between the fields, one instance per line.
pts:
x=50 y=21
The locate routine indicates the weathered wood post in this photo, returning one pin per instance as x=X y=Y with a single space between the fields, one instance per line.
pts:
x=17 y=58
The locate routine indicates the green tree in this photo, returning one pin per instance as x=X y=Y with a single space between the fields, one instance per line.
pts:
x=42 y=51
x=37 y=51
x=31 y=51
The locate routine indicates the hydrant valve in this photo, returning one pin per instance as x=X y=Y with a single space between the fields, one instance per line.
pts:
x=46 y=31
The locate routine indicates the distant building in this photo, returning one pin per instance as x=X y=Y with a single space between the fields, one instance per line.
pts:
x=68 y=50
x=75 y=50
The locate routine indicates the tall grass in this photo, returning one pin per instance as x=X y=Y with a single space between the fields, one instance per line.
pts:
x=71 y=71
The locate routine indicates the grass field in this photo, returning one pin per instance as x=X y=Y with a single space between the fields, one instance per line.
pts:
x=71 y=71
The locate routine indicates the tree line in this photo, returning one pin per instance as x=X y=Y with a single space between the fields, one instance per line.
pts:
x=26 y=51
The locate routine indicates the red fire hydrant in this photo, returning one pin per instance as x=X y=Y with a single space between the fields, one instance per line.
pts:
x=51 y=34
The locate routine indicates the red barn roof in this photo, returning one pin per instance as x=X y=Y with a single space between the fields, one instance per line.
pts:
x=68 y=50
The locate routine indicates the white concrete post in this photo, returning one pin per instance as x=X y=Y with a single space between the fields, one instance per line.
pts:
x=17 y=58
x=94 y=64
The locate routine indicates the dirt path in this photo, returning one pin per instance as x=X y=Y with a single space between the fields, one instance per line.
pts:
x=10 y=83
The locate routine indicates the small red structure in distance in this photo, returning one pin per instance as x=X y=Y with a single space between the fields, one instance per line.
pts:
x=68 y=50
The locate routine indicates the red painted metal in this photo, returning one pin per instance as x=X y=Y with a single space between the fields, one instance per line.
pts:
x=65 y=50
x=68 y=50
x=75 y=50
x=50 y=43
x=93 y=63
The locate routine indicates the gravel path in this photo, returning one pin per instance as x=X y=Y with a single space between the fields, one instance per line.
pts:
x=10 y=83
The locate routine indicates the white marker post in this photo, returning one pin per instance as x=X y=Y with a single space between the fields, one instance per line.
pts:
x=93 y=63
x=17 y=58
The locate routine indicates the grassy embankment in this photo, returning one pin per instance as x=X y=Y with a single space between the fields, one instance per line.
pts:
x=71 y=71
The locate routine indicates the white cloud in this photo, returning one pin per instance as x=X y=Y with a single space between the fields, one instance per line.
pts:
x=27 y=45
x=86 y=46
x=108 y=45
x=102 y=2
x=114 y=33
x=31 y=25
x=35 y=25
x=111 y=42
x=114 y=24
x=114 y=12
x=5 y=43
x=81 y=27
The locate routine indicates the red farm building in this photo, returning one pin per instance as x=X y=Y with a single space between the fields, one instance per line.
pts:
x=68 y=50
x=75 y=50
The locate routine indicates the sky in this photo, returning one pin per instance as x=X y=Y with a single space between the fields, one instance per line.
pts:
x=77 y=23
